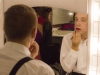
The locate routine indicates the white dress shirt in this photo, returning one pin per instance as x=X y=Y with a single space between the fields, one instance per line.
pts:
x=12 y=52
x=70 y=59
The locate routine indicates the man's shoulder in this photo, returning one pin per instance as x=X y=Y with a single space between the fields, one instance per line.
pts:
x=36 y=62
x=39 y=66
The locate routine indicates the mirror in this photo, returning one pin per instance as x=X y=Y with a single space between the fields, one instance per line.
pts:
x=56 y=25
x=58 y=22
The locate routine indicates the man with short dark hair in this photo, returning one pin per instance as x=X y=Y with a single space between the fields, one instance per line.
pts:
x=20 y=27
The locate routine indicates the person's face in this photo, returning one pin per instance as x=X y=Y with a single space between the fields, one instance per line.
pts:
x=81 y=23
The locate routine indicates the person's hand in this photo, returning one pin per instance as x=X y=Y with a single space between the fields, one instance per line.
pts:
x=34 y=48
x=76 y=41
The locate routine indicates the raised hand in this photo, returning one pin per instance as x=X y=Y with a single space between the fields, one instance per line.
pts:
x=76 y=41
x=34 y=48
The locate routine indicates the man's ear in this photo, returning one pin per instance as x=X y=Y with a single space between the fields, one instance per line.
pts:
x=34 y=32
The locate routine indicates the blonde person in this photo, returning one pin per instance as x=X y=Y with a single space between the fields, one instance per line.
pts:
x=20 y=28
x=74 y=47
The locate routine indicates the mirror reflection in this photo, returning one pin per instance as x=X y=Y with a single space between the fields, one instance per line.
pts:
x=62 y=38
x=63 y=43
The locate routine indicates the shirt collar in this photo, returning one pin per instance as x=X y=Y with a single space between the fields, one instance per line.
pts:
x=18 y=47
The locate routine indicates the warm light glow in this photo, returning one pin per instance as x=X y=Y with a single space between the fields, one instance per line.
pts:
x=95 y=11
x=70 y=13
x=94 y=66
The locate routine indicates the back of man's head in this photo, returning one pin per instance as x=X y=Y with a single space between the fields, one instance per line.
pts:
x=19 y=22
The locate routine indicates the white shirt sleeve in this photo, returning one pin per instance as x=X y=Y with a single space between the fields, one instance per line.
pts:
x=68 y=56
